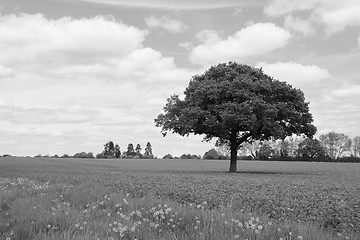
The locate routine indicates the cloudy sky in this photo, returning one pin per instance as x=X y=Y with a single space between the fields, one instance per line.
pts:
x=75 y=74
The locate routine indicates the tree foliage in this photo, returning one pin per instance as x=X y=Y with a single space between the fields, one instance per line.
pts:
x=311 y=149
x=356 y=146
x=335 y=143
x=148 y=151
x=237 y=103
x=130 y=150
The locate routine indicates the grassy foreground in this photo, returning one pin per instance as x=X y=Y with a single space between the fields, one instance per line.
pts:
x=153 y=199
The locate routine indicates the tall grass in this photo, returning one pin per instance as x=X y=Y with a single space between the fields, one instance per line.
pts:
x=33 y=210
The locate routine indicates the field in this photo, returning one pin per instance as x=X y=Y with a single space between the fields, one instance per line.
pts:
x=44 y=198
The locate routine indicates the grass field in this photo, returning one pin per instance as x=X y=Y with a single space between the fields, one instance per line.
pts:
x=44 y=198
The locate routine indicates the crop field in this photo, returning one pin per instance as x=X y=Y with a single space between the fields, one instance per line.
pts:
x=44 y=198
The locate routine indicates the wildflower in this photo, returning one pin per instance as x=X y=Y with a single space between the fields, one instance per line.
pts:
x=81 y=228
x=260 y=227
x=49 y=226
x=196 y=227
x=257 y=231
x=300 y=237
x=237 y=236
x=115 y=230
x=109 y=214
x=279 y=229
x=198 y=221
x=290 y=233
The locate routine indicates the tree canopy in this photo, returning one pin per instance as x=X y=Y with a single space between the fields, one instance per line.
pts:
x=237 y=103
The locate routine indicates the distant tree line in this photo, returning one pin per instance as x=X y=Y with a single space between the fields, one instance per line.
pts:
x=183 y=156
x=112 y=150
x=330 y=147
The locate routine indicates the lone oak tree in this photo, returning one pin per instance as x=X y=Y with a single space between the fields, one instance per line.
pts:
x=237 y=103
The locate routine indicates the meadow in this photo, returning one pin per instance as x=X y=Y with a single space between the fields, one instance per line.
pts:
x=43 y=198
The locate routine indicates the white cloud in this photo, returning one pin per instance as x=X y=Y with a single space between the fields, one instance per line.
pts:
x=301 y=76
x=19 y=115
x=334 y=15
x=253 y=40
x=277 y=8
x=296 y=24
x=177 y=5
x=31 y=39
x=5 y=72
x=336 y=20
x=167 y=23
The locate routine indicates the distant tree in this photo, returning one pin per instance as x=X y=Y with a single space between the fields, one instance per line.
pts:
x=130 y=150
x=251 y=148
x=284 y=148
x=168 y=156
x=211 y=154
x=237 y=104
x=83 y=155
x=138 y=148
x=293 y=144
x=65 y=156
x=356 y=146
x=335 y=144
x=223 y=151
x=265 y=151
x=311 y=149
x=148 y=151
x=117 y=151
x=189 y=156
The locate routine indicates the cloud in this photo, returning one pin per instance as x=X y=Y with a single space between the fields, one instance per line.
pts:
x=177 y=5
x=295 y=73
x=311 y=79
x=5 y=72
x=338 y=110
x=72 y=115
x=34 y=38
x=297 y=24
x=99 y=48
x=277 y=8
x=250 y=41
x=166 y=23
x=334 y=15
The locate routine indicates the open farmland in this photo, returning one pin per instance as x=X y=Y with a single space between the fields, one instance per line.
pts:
x=284 y=193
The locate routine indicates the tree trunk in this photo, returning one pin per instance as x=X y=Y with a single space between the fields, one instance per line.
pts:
x=233 y=159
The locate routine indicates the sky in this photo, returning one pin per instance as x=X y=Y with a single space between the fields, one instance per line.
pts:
x=75 y=74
